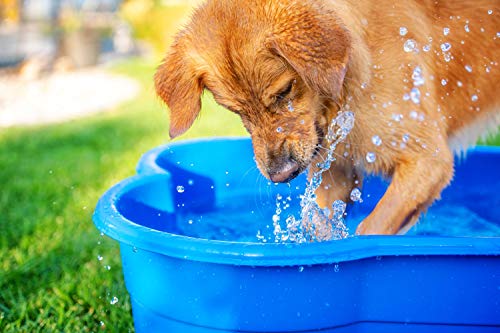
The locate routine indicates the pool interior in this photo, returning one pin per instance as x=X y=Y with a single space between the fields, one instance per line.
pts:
x=226 y=198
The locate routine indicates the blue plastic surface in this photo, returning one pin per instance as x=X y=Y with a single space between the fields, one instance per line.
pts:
x=177 y=283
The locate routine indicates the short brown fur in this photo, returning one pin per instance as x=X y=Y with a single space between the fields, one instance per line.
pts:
x=325 y=54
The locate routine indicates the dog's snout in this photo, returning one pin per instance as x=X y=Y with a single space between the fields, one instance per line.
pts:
x=284 y=172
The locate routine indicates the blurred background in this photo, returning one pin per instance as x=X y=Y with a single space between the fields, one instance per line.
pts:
x=77 y=110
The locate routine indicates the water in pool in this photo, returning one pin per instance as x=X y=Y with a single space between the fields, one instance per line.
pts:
x=248 y=218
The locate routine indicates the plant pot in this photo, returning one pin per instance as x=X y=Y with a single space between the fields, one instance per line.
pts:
x=83 y=47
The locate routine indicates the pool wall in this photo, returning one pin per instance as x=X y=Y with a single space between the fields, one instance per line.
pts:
x=359 y=284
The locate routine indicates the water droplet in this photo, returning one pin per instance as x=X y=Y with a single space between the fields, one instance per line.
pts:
x=426 y=48
x=447 y=57
x=397 y=117
x=466 y=27
x=356 y=195
x=107 y=267
x=459 y=83
x=410 y=45
x=190 y=182
x=134 y=249
x=345 y=120
x=417 y=76
x=415 y=95
x=290 y=106
x=371 y=157
x=376 y=140
x=445 y=47
x=406 y=138
x=114 y=300
x=446 y=31
x=301 y=269
x=444 y=82
x=414 y=115
x=180 y=189
x=498 y=34
x=99 y=257
x=474 y=98
x=364 y=85
x=403 y=31
x=468 y=68
x=336 y=268
x=490 y=12
x=279 y=129
x=338 y=208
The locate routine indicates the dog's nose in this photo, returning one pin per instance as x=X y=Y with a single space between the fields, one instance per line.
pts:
x=284 y=172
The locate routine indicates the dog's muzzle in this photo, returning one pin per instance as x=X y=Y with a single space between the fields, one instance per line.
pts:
x=284 y=172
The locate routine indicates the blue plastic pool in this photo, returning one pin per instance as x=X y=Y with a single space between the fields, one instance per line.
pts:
x=192 y=263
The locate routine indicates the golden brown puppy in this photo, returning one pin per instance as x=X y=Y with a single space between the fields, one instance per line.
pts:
x=420 y=76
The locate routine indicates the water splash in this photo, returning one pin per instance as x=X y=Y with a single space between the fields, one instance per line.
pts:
x=417 y=76
x=314 y=222
x=410 y=45
x=356 y=195
x=371 y=157
x=376 y=140
x=415 y=95
x=445 y=47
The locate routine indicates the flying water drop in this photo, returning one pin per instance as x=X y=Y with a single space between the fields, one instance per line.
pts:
x=371 y=157
x=410 y=45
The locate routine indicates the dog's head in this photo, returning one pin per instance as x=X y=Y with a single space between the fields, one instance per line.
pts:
x=278 y=64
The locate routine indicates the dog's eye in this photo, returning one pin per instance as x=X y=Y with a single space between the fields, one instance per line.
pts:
x=285 y=92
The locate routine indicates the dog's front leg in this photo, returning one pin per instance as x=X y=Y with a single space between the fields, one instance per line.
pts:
x=416 y=183
x=338 y=183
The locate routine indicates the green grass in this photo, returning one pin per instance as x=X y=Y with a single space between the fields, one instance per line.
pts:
x=51 y=178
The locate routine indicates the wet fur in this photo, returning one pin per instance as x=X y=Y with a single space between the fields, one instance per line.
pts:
x=247 y=52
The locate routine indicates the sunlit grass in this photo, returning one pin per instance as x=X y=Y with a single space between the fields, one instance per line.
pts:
x=51 y=178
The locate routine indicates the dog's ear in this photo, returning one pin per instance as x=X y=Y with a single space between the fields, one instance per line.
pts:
x=178 y=83
x=316 y=45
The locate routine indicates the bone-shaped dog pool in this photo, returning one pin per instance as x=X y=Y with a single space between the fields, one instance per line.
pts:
x=187 y=225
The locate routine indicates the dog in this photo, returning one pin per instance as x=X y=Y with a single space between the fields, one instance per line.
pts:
x=420 y=76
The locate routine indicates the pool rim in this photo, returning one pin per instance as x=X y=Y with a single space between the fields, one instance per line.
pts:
x=111 y=222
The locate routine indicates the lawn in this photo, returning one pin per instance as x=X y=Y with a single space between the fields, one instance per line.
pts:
x=51 y=279
x=51 y=178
